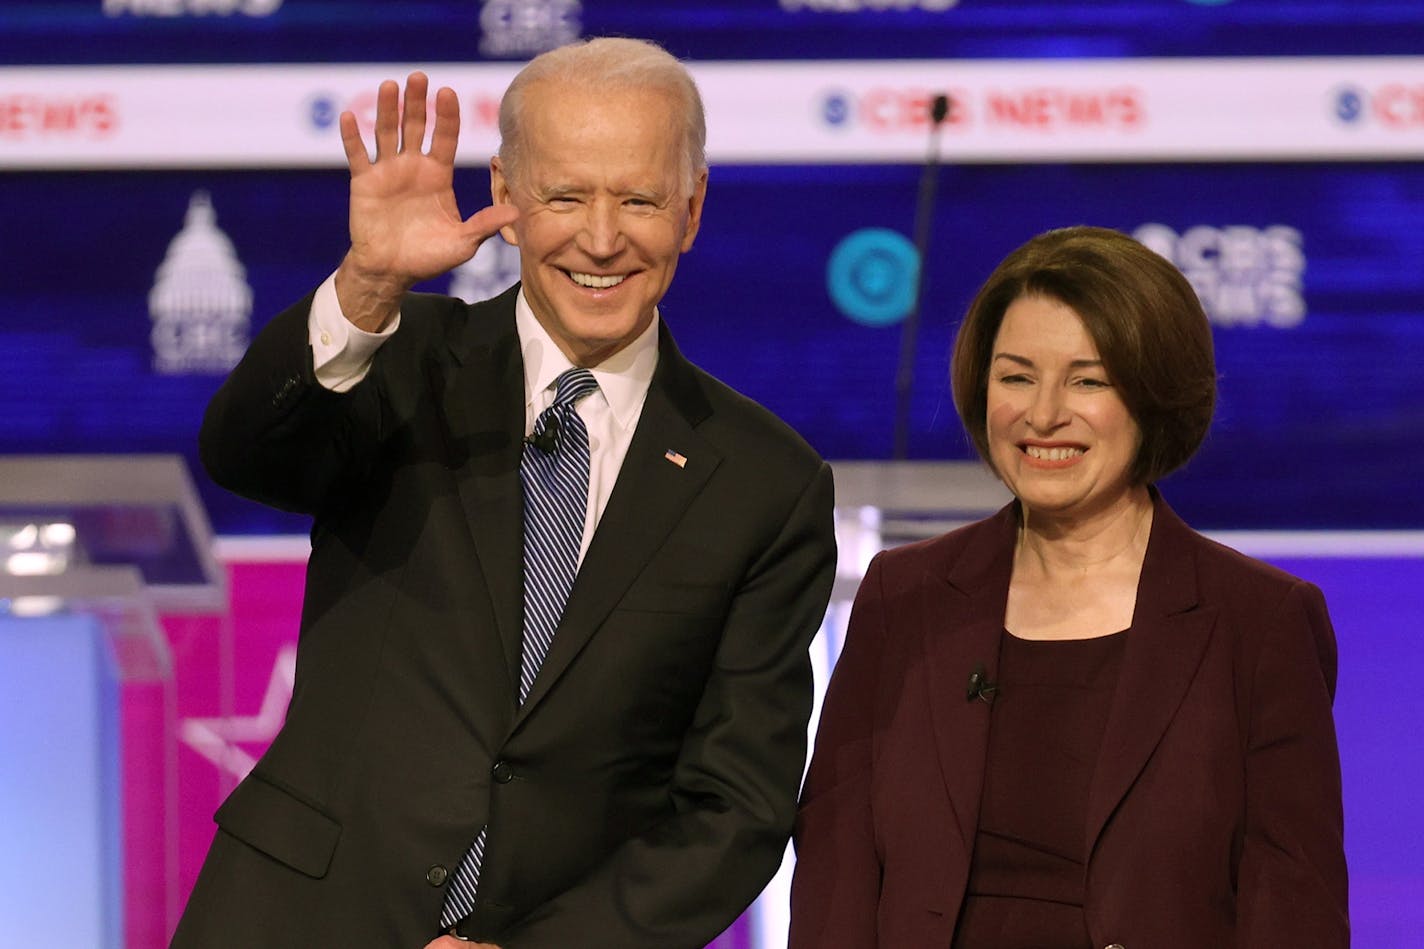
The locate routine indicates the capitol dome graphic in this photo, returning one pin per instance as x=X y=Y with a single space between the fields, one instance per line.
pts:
x=200 y=304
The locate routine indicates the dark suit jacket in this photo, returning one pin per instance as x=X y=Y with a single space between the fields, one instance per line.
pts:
x=1214 y=816
x=644 y=792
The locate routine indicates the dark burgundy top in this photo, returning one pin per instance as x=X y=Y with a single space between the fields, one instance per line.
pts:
x=1027 y=872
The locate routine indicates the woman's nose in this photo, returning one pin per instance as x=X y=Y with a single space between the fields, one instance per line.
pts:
x=1047 y=411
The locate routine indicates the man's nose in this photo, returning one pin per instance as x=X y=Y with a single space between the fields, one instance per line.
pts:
x=602 y=230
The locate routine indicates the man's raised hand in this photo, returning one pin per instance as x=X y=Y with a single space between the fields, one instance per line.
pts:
x=405 y=223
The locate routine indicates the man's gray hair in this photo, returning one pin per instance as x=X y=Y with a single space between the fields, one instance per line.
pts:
x=610 y=63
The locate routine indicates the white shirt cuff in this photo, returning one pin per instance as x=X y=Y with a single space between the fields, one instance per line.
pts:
x=341 y=351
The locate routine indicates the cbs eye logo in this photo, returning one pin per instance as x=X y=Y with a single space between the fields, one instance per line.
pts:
x=1393 y=106
x=1350 y=104
x=836 y=108
x=871 y=276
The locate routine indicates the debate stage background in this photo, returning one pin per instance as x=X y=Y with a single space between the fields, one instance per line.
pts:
x=170 y=177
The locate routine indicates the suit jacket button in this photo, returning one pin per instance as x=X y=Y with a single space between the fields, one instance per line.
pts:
x=1116 y=945
x=436 y=875
x=502 y=772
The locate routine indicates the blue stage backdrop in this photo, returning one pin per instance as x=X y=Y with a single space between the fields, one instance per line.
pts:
x=237 y=31
x=132 y=279
x=127 y=294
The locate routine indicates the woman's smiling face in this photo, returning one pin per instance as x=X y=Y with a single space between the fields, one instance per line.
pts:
x=1060 y=436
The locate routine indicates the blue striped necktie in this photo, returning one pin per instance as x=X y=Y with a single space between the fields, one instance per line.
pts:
x=554 y=471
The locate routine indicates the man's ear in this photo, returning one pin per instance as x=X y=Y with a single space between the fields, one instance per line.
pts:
x=694 y=211
x=500 y=194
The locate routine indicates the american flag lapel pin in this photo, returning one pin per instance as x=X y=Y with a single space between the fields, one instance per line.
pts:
x=676 y=457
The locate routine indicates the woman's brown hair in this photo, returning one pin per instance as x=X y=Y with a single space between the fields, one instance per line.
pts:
x=1143 y=316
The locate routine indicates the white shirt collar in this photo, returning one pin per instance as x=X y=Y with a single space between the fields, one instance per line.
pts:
x=623 y=378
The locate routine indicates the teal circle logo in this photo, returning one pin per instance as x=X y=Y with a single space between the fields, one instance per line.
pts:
x=871 y=276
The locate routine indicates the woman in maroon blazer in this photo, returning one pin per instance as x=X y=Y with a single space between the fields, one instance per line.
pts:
x=1077 y=724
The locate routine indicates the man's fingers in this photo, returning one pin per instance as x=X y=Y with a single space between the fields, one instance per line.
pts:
x=485 y=223
x=400 y=125
x=413 y=123
x=357 y=158
x=387 y=119
x=447 y=126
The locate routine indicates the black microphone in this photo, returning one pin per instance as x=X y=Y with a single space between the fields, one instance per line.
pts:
x=547 y=440
x=979 y=686
x=909 y=330
x=939 y=108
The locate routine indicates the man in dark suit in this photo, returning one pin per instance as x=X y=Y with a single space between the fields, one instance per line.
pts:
x=448 y=772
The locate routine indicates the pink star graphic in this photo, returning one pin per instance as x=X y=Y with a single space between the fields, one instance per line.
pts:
x=220 y=739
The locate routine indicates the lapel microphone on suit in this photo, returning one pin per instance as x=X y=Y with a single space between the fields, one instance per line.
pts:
x=979 y=686
x=547 y=438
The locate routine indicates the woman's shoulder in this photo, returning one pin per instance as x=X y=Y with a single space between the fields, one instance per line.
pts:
x=1220 y=557
x=1226 y=575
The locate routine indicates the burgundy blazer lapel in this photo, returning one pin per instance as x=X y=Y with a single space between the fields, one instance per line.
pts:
x=962 y=627
x=1163 y=651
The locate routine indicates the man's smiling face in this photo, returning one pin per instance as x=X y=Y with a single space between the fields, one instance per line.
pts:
x=604 y=212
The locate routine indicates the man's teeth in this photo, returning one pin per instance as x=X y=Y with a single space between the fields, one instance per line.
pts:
x=1052 y=454
x=597 y=282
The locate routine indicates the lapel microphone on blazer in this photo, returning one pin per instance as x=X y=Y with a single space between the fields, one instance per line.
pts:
x=979 y=686
x=547 y=440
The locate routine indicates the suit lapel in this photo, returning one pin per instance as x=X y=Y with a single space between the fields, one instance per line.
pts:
x=647 y=502
x=962 y=615
x=963 y=618
x=482 y=401
x=1161 y=655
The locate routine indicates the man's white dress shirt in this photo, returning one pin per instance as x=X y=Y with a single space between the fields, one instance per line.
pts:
x=342 y=354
